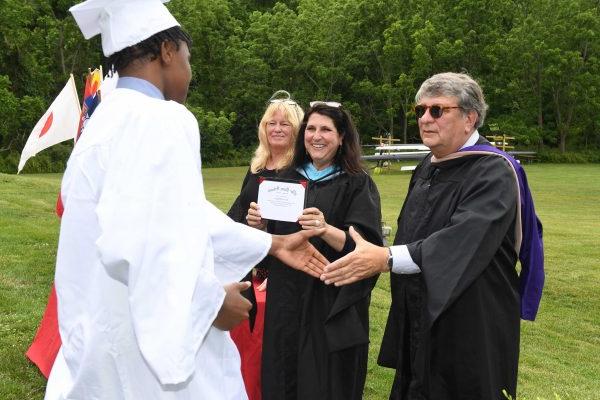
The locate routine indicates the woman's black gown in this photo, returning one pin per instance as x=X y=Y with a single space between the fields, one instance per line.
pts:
x=316 y=336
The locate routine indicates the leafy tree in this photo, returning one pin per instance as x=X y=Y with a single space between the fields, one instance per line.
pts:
x=214 y=128
x=9 y=106
x=556 y=53
x=536 y=59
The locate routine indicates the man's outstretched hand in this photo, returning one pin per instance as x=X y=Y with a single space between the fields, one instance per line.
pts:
x=365 y=261
x=235 y=307
x=296 y=251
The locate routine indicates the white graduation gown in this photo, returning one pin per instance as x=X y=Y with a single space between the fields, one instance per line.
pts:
x=142 y=259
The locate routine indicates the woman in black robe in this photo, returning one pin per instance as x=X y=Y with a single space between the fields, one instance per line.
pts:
x=316 y=337
x=277 y=133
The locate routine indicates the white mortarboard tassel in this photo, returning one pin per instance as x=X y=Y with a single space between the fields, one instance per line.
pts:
x=122 y=23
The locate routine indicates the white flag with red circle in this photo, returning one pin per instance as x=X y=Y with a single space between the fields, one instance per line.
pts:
x=58 y=124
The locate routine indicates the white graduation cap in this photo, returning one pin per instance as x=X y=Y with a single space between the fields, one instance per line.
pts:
x=122 y=23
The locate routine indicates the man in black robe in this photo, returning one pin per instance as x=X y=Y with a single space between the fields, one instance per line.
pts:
x=453 y=326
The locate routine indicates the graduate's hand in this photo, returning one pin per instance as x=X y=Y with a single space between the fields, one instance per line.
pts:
x=296 y=251
x=235 y=307
x=365 y=261
x=253 y=217
x=313 y=219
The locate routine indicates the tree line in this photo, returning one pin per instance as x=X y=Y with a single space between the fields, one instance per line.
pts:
x=537 y=61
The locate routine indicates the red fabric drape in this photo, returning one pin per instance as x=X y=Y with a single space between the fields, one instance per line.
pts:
x=45 y=345
x=249 y=345
x=47 y=342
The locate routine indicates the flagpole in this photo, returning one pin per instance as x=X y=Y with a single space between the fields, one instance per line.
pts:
x=100 y=84
x=72 y=80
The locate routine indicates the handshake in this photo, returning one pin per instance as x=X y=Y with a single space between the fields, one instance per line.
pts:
x=365 y=261
x=294 y=250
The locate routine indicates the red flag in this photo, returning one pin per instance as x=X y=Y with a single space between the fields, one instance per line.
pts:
x=47 y=342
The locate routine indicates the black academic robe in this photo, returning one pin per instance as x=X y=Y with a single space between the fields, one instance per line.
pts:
x=238 y=212
x=248 y=194
x=453 y=330
x=316 y=336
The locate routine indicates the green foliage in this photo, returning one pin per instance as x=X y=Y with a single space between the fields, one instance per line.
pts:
x=580 y=157
x=538 y=61
x=216 y=141
x=52 y=159
x=9 y=163
x=513 y=125
x=9 y=105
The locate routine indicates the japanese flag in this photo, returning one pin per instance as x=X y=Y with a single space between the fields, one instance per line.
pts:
x=58 y=124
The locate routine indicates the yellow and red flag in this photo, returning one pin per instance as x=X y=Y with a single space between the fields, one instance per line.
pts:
x=91 y=98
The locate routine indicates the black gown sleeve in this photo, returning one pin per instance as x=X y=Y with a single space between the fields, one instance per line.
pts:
x=236 y=211
x=350 y=309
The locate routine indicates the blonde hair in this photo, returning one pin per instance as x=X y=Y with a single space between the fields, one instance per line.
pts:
x=293 y=114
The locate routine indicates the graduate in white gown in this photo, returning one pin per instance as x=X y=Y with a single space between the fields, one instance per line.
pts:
x=147 y=269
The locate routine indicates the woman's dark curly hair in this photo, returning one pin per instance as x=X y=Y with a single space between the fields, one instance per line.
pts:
x=149 y=48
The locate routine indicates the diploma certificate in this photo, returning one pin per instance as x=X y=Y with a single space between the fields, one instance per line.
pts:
x=281 y=200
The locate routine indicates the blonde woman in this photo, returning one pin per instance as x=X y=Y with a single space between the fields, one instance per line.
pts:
x=277 y=133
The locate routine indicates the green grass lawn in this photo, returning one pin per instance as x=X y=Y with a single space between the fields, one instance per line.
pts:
x=560 y=352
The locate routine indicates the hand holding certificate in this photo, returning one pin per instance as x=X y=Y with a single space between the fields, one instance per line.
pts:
x=281 y=200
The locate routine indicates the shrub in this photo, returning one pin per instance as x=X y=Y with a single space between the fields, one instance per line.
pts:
x=9 y=162
x=570 y=157
x=51 y=160
x=216 y=142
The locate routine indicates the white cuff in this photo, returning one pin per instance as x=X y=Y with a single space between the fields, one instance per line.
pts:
x=403 y=262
